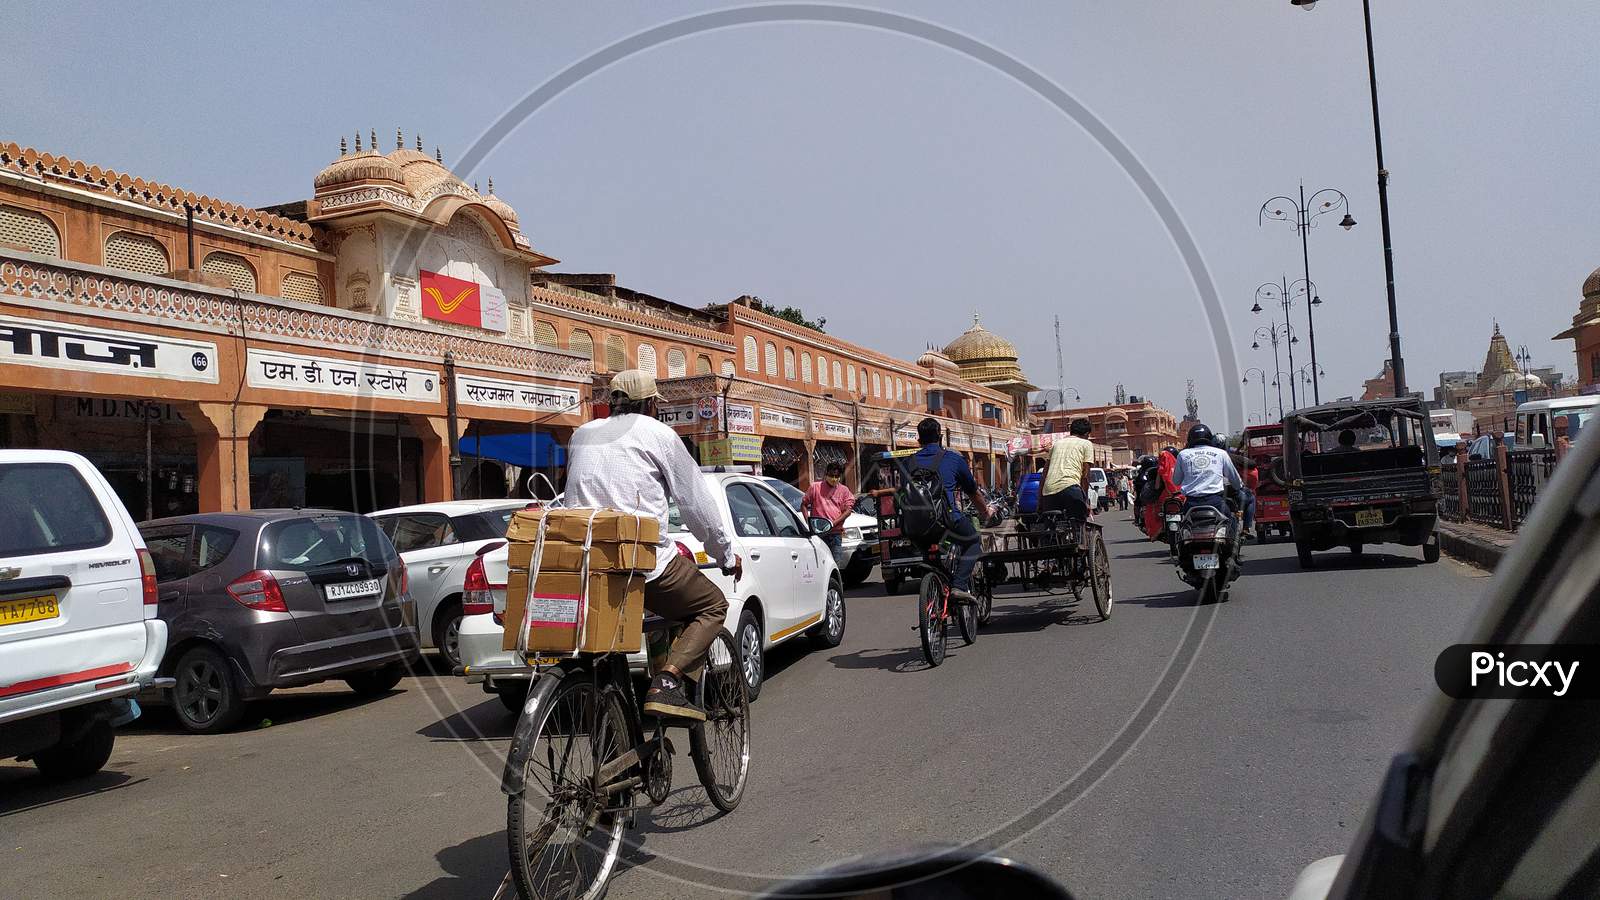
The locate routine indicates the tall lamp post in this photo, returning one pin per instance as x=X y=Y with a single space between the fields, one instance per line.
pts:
x=1383 y=198
x=1263 y=374
x=1309 y=373
x=1304 y=214
x=1274 y=333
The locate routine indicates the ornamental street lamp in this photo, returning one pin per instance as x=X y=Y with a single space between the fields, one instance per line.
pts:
x=1274 y=333
x=1284 y=294
x=1303 y=215
x=1383 y=199
x=1263 y=375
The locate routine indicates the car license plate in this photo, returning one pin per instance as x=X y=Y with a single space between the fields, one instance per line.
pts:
x=29 y=609
x=351 y=590
x=1367 y=518
x=1205 y=561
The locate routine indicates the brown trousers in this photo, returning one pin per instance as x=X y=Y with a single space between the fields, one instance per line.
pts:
x=682 y=594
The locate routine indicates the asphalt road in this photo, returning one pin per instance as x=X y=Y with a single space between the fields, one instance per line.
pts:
x=1174 y=751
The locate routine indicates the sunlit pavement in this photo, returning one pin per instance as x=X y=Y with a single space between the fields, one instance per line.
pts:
x=1261 y=761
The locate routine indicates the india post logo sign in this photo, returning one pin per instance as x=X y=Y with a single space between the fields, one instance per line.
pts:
x=449 y=299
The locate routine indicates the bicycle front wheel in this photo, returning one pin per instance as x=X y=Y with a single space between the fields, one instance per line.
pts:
x=931 y=619
x=720 y=746
x=564 y=833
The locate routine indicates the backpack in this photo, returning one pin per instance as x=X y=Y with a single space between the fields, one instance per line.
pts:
x=924 y=505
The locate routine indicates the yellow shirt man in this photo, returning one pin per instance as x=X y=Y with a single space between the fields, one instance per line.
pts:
x=1068 y=456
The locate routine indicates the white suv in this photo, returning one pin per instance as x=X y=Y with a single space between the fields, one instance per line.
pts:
x=78 y=629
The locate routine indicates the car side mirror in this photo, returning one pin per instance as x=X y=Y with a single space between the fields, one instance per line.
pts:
x=819 y=525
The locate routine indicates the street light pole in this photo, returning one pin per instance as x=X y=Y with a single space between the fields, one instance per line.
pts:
x=1277 y=369
x=1397 y=362
x=1263 y=374
x=1278 y=292
x=1305 y=214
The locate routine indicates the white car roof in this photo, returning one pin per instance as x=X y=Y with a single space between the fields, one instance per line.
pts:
x=454 y=507
x=53 y=456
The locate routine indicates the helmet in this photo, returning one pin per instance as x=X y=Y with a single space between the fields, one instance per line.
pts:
x=1199 y=435
x=1218 y=442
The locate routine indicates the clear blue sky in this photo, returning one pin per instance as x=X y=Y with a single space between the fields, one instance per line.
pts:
x=895 y=187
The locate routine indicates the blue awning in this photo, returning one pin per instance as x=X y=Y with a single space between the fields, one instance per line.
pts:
x=538 y=450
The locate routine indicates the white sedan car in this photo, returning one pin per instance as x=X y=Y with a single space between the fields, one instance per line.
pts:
x=438 y=541
x=791 y=587
x=859 y=545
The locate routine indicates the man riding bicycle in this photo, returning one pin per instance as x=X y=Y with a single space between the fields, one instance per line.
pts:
x=633 y=462
x=954 y=475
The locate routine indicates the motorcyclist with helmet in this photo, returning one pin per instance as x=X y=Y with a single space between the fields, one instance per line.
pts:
x=1205 y=473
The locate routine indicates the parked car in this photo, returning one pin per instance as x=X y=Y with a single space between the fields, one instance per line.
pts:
x=859 y=546
x=791 y=588
x=1098 y=498
x=437 y=541
x=78 y=629
x=277 y=598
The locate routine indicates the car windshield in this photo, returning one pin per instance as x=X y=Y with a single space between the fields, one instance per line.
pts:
x=318 y=540
x=790 y=494
x=48 y=508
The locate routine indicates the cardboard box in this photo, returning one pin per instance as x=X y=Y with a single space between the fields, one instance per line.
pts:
x=572 y=525
x=615 y=615
x=561 y=556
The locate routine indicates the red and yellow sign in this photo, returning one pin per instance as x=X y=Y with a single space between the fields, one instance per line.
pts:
x=451 y=300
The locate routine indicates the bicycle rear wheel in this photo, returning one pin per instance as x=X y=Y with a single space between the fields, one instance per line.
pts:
x=1100 y=576
x=720 y=746
x=967 y=621
x=931 y=619
x=564 y=835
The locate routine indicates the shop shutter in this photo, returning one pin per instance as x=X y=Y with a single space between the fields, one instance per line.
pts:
x=788 y=363
x=805 y=367
x=544 y=334
x=136 y=253
x=616 y=353
x=727 y=367
x=677 y=363
x=702 y=365
x=751 y=362
x=233 y=267
x=302 y=287
x=29 y=230
x=772 y=360
x=580 y=341
x=822 y=371
x=647 y=358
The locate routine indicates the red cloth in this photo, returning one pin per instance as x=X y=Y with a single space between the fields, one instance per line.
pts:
x=1154 y=519
x=1252 y=478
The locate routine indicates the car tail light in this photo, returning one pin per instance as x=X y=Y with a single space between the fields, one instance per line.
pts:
x=477 y=596
x=258 y=590
x=405 y=577
x=684 y=551
x=147 y=576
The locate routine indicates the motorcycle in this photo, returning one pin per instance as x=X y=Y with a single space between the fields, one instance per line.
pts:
x=1207 y=548
x=1172 y=523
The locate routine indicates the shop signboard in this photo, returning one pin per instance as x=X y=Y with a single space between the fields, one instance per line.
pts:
x=741 y=419
x=57 y=345
x=716 y=452
x=958 y=441
x=16 y=404
x=275 y=371
x=777 y=418
x=870 y=432
x=832 y=429
x=905 y=435
x=461 y=302
x=496 y=392
x=677 y=414
x=110 y=408
x=745 y=448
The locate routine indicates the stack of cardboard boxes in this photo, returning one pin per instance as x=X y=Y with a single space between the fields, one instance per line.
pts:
x=621 y=553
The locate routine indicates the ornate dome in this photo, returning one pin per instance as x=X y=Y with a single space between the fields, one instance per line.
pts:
x=1591 y=285
x=358 y=168
x=501 y=208
x=931 y=358
x=979 y=343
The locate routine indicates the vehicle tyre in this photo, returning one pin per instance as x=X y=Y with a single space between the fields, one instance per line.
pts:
x=378 y=681
x=720 y=746
x=205 y=697
x=1100 y=576
x=828 y=633
x=983 y=589
x=1304 y=552
x=513 y=694
x=581 y=727
x=967 y=622
x=856 y=571
x=81 y=758
x=752 y=656
x=893 y=584
x=1261 y=534
x=1210 y=591
x=1357 y=549
x=931 y=623
x=447 y=631
x=1430 y=550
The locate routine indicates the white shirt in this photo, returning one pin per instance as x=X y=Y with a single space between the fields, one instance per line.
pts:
x=636 y=464
x=1202 y=471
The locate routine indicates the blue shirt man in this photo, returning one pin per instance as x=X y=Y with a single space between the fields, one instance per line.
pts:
x=955 y=475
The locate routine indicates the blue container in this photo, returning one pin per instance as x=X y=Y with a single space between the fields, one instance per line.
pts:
x=1028 y=495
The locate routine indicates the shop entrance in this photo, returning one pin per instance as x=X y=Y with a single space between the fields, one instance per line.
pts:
x=781 y=459
x=361 y=462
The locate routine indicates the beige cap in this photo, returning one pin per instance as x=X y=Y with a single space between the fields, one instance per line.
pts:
x=635 y=384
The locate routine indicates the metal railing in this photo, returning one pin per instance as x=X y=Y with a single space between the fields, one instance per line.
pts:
x=1485 y=503
x=1528 y=471
x=1450 y=495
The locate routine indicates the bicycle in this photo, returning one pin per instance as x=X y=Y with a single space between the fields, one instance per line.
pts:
x=581 y=752
x=934 y=611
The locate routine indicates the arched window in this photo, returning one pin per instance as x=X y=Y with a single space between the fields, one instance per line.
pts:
x=822 y=371
x=136 y=253
x=677 y=363
x=877 y=385
x=233 y=267
x=302 y=287
x=788 y=363
x=702 y=365
x=544 y=333
x=647 y=358
x=29 y=230
x=838 y=374
x=899 y=391
x=580 y=341
x=853 y=379
x=616 y=353
x=771 y=355
x=727 y=367
x=805 y=367
x=752 y=363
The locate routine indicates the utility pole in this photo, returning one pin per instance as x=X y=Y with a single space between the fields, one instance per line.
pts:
x=1061 y=369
